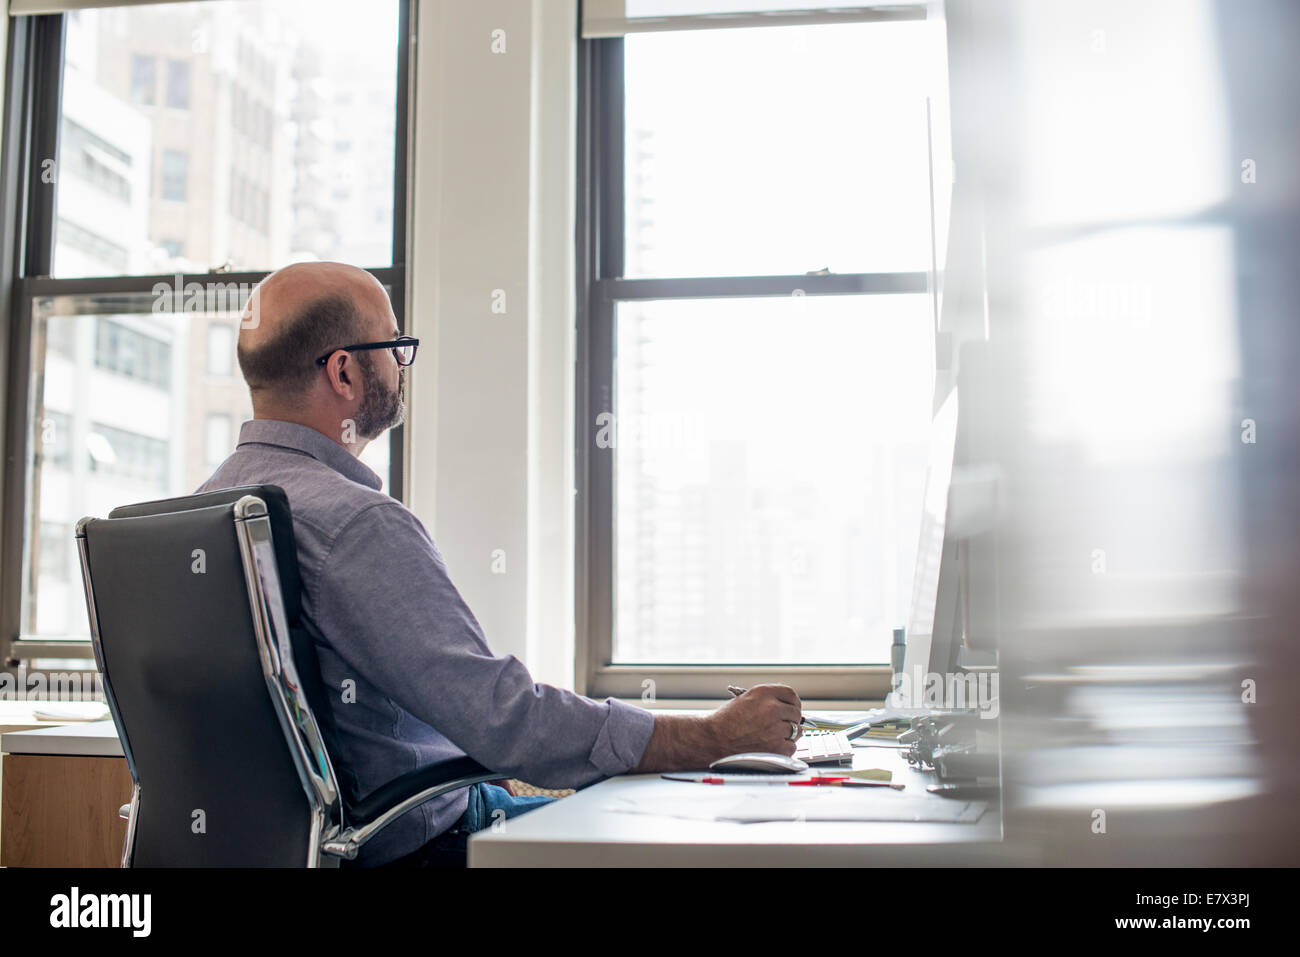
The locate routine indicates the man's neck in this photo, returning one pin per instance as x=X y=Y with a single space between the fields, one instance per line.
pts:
x=343 y=429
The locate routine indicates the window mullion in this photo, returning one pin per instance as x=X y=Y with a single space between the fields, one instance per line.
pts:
x=44 y=86
x=730 y=287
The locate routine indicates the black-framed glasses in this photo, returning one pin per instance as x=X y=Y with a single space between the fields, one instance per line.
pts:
x=403 y=349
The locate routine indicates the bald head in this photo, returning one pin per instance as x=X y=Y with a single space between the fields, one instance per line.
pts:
x=301 y=312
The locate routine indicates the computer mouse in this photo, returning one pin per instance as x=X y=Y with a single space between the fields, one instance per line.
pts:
x=763 y=761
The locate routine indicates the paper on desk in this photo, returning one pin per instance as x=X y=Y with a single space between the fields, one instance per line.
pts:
x=869 y=774
x=70 y=711
x=702 y=804
x=757 y=805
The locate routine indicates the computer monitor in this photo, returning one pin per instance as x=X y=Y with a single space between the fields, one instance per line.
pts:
x=954 y=585
x=934 y=623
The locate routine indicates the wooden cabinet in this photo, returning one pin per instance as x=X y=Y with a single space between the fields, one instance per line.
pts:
x=61 y=810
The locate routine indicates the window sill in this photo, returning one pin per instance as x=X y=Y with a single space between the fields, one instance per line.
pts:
x=706 y=705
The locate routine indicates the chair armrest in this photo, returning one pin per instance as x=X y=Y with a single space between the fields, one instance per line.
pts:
x=387 y=803
x=412 y=783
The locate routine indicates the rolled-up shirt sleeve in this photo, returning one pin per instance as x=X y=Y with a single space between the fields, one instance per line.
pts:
x=400 y=621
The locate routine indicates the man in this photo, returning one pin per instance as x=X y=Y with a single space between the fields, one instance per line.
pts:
x=411 y=678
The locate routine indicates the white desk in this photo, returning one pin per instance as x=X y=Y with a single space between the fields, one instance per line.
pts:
x=87 y=738
x=580 y=831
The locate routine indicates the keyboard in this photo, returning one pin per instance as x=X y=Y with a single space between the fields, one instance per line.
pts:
x=822 y=747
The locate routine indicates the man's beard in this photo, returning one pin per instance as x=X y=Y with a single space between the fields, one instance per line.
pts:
x=380 y=408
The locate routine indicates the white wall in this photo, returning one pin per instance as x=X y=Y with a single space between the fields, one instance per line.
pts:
x=491 y=421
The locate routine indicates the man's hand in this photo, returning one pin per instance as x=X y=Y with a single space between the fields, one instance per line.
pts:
x=759 y=720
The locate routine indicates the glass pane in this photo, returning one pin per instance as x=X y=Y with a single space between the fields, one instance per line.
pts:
x=1133 y=376
x=1126 y=113
x=127 y=409
x=777 y=150
x=199 y=134
x=770 y=461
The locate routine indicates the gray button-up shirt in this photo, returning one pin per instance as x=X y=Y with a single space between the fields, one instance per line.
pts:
x=411 y=677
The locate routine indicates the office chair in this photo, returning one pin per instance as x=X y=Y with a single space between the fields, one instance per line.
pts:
x=211 y=676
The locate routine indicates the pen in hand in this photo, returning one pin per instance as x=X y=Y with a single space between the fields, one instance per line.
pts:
x=736 y=692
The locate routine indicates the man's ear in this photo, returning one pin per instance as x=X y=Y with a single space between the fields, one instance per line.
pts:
x=342 y=372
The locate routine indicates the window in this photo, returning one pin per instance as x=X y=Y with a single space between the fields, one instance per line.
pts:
x=217 y=443
x=257 y=99
x=144 y=79
x=125 y=389
x=55 y=441
x=734 y=168
x=129 y=352
x=56 y=553
x=768 y=487
x=759 y=354
x=96 y=160
x=178 y=84
x=175 y=175
x=88 y=246
x=61 y=340
x=221 y=349
x=134 y=425
x=141 y=460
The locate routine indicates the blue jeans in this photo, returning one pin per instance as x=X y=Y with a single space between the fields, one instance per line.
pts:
x=488 y=805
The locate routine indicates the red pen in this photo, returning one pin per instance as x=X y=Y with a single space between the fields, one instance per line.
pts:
x=808 y=782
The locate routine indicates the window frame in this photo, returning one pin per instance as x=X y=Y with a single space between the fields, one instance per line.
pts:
x=28 y=214
x=600 y=287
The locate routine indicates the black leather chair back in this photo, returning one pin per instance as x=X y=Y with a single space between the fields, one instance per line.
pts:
x=302 y=634
x=216 y=780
